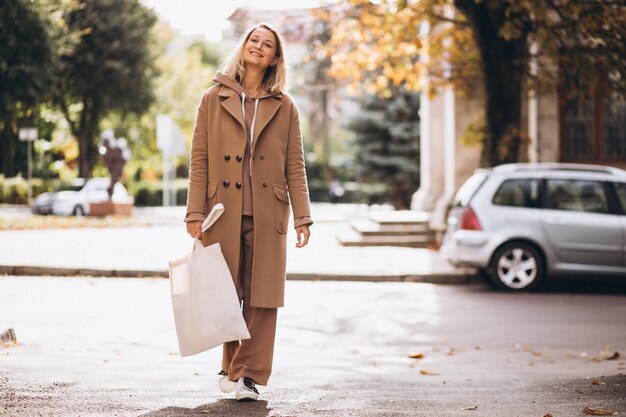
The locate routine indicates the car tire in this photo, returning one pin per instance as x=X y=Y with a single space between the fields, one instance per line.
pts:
x=78 y=211
x=517 y=266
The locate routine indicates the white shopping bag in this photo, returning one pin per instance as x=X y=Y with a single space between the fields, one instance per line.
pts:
x=207 y=312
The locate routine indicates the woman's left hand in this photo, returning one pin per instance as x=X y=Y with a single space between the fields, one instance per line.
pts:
x=300 y=232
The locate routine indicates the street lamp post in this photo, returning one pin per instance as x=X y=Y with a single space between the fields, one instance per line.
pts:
x=29 y=134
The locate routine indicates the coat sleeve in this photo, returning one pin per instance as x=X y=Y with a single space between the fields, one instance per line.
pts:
x=199 y=165
x=294 y=169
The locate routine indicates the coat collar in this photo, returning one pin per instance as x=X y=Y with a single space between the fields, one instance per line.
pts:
x=266 y=111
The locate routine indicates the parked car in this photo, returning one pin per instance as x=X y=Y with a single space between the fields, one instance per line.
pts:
x=521 y=223
x=75 y=197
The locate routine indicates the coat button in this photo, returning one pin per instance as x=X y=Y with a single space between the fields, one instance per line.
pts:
x=238 y=185
x=261 y=157
x=238 y=158
x=226 y=183
x=264 y=185
x=227 y=157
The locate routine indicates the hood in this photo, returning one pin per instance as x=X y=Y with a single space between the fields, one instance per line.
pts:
x=222 y=79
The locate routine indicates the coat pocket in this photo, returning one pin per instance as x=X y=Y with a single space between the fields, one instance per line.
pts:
x=281 y=208
x=211 y=199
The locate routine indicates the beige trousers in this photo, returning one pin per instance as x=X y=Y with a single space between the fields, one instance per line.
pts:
x=252 y=357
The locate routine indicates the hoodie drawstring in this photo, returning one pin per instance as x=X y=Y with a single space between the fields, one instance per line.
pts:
x=243 y=111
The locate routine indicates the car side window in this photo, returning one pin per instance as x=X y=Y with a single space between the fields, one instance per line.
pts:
x=577 y=195
x=522 y=192
x=621 y=193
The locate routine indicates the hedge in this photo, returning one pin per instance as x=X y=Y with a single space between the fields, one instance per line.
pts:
x=15 y=191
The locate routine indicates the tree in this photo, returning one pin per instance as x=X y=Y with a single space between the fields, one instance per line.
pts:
x=104 y=66
x=387 y=142
x=317 y=85
x=580 y=46
x=184 y=71
x=25 y=58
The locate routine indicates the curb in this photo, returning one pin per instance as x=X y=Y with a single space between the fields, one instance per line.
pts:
x=462 y=277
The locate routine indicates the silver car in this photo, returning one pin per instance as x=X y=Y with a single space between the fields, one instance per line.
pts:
x=75 y=198
x=521 y=223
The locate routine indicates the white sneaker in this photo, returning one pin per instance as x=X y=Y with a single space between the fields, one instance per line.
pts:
x=246 y=391
x=226 y=385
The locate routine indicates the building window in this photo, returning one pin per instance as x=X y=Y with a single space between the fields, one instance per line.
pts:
x=593 y=130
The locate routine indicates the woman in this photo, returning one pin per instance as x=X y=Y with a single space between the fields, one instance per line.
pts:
x=247 y=154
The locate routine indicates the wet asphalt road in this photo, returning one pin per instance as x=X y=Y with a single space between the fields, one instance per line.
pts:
x=106 y=347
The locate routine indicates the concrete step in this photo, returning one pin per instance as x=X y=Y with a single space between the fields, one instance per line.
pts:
x=352 y=238
x=400 y=217
x=371 y=228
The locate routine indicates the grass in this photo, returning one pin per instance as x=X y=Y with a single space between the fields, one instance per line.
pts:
x=67 y=222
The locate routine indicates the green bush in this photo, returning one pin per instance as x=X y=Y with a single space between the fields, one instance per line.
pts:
x=14 y=190
x=148 y=193
x=355 y=192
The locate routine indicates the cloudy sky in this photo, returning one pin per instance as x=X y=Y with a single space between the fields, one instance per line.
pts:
x=206 y=17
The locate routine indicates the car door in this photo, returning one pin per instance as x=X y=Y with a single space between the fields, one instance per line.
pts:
x=620 y=188
x=580 y=224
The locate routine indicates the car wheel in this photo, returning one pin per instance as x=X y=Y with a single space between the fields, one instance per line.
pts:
x=517 y=266
x=79 y=211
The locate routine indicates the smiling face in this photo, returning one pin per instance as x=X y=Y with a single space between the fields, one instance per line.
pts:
x=260 y=48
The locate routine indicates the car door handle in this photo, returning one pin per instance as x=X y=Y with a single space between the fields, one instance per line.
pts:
x=556 y=221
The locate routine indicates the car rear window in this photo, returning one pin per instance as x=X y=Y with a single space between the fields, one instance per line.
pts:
x=469 y=188
x=520 y=192
x=69 y=187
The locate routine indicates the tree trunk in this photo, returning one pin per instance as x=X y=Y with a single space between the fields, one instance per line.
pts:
x=86 y=133
x=7 y=148
x=503 y=63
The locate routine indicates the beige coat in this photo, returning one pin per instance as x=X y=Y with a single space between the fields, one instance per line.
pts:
x=278 y=178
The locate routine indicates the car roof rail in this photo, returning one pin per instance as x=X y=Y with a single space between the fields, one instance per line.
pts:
x=559 y=166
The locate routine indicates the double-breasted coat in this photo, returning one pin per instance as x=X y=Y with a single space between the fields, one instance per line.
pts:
x=277 y=175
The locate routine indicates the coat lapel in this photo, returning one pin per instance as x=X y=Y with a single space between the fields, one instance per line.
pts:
x=232 y=104
x=266 y=111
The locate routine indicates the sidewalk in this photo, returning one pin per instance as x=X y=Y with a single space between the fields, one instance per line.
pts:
x=144 y=251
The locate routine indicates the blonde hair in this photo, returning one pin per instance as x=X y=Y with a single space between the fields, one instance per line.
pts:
x=275 y=77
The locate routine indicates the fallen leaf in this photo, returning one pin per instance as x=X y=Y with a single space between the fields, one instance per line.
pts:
x=425 y=372
x=452 y=351
x=475 y=407
x=535 y=353
x=594 y=359
x=547 y=415
x=597 y=382
x=613 y=357
x=598 y=412
x=416 y=355
x=579 y=391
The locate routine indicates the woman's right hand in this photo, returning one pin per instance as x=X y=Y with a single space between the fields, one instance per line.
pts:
x=194 y=229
